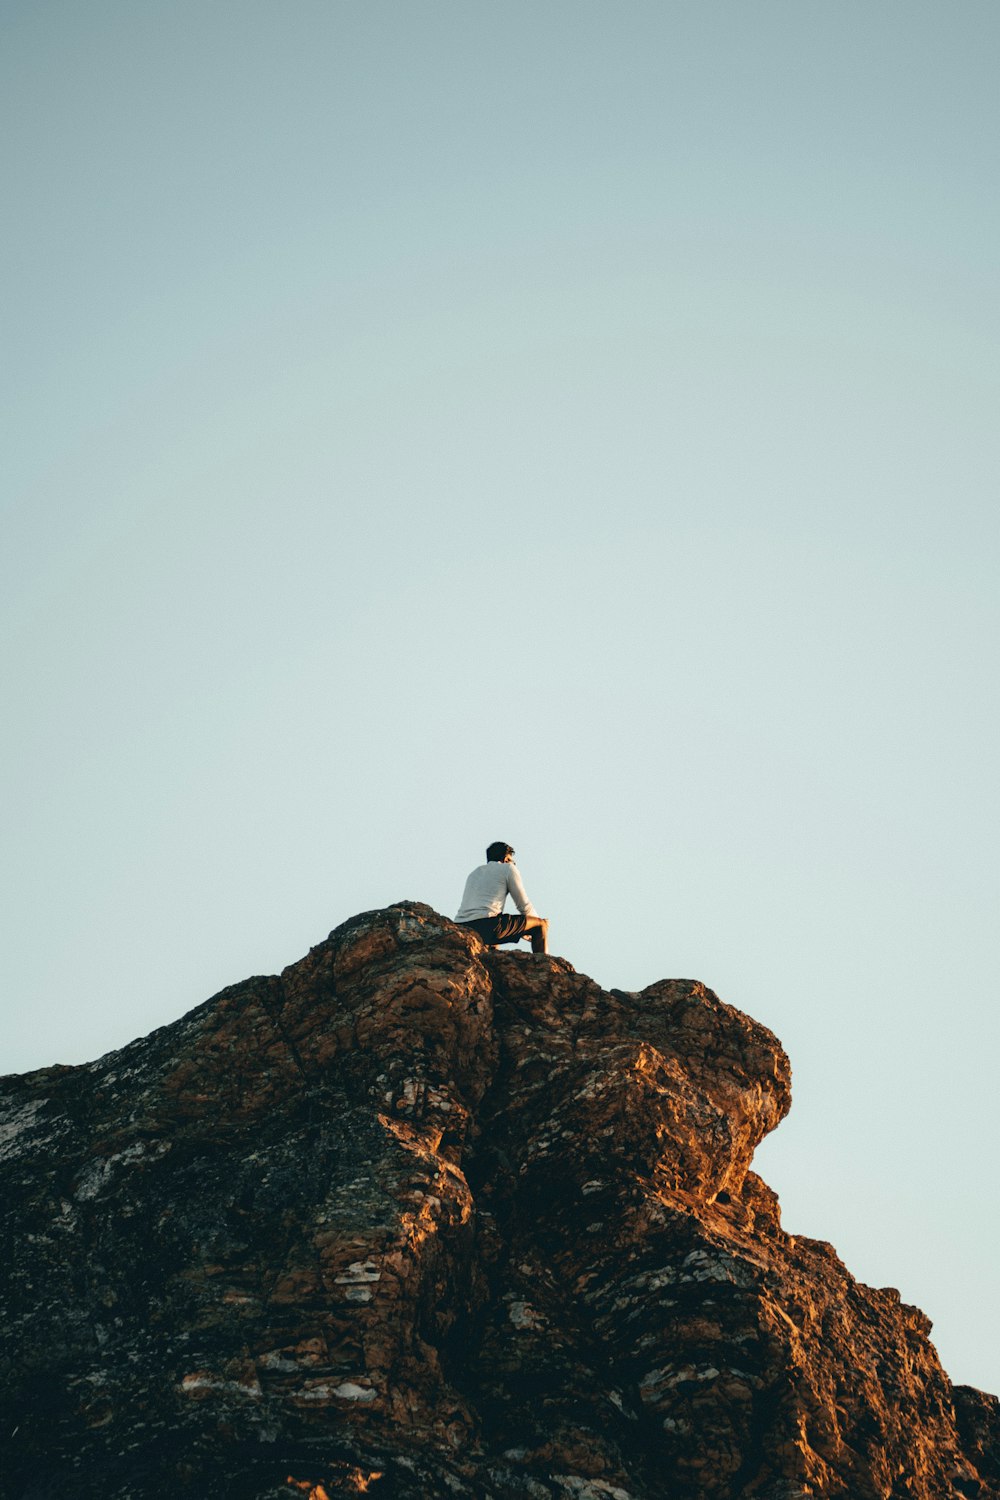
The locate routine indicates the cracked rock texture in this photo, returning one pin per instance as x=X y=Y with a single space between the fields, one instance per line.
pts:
x=419 y=1219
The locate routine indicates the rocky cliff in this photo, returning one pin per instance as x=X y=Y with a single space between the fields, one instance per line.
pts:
x=420 y=1219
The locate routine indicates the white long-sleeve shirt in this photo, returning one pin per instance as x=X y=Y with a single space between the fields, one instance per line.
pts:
x=488 y=887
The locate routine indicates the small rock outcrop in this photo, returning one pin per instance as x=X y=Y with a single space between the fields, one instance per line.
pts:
x=420 y=1219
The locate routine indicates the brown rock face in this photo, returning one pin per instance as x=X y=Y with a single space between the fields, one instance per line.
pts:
x=418 y=1219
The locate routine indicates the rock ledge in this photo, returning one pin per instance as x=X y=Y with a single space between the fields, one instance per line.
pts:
x=419 y=1219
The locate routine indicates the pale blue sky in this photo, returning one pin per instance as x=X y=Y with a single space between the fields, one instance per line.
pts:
x=567 y=423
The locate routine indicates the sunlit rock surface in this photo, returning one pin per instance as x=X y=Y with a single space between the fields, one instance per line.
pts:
x=418 y=1219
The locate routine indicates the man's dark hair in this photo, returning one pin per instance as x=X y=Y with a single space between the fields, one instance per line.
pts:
x=498 y=852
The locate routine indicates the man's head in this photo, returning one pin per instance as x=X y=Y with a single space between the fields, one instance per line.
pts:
x=501 y=853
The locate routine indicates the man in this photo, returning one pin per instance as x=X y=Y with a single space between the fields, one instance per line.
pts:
x=486 y=890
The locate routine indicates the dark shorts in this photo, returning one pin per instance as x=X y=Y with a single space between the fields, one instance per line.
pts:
x=506 y=928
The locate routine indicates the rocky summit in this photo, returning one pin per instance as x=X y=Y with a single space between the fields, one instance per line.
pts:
x=422 y=1219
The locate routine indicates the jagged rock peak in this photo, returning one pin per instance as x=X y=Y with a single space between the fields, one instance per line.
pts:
x=419 y=1219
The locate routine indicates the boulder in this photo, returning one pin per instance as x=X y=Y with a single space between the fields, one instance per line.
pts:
x=420 y=1219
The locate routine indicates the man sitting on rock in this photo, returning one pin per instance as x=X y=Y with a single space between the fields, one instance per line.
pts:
x=486 y=890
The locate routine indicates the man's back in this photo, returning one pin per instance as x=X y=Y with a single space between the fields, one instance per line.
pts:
x=487 y=889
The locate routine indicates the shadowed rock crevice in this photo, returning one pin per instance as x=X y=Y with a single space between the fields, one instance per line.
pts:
x=421 y=1219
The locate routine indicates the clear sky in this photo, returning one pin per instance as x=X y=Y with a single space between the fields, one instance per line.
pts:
x=567 y=423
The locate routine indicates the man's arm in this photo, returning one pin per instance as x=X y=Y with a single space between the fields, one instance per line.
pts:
x=517 y=891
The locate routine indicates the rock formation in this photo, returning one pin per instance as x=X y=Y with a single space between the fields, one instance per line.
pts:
x=419 y=1219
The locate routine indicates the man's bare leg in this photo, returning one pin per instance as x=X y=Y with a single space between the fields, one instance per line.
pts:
x=537 y=930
